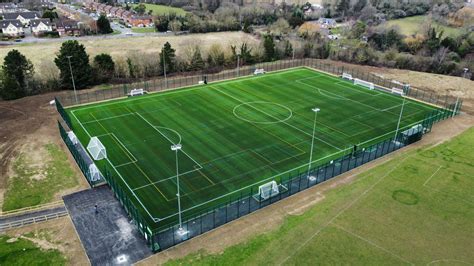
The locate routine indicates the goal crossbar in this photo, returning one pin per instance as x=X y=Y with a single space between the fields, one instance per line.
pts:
x=364 y=83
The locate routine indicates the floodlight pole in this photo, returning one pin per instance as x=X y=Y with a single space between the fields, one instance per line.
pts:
x=316 y=111
x=176 y=148
x=399 y=119
x=72 y=77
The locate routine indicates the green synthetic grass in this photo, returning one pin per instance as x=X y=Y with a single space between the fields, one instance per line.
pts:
x=159 y=10
x=236 y=135
x=24 y=252
x=413 y=25
x=361 y=223
x=37 y=184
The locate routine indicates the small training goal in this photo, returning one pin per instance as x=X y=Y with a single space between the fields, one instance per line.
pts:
x=398 y=91
x=269 y=190
x=136 y=92
x=259 y=71
x=364 y=83
x=96 y=149
x=347 y=76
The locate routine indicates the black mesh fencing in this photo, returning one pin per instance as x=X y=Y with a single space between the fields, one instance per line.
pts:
x=62 y=112
x=81 y=157
x=165 y=232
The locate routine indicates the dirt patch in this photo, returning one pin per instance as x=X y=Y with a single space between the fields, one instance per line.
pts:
x=28 y=124
x=55 y=234
x=455 y=86
x=269 y=218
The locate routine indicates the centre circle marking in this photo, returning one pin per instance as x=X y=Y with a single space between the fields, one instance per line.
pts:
x=290 y=113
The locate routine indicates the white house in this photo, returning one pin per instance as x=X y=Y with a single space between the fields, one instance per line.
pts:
x=12 y=28
x=24 y=17
x=39 y=26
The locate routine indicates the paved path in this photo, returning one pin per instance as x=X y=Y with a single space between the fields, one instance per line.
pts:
x=30 y=217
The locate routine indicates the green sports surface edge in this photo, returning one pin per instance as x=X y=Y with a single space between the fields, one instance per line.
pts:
x=235 y=135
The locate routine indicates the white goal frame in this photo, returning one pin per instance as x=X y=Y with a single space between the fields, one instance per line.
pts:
x=364 y=83
x=267 y=190
x=96 y=149
x=398 y=91
x=346 y=76
x=136 y=92
x=259 y=71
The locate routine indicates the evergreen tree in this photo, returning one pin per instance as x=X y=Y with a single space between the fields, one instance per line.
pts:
x=81 y=68
x=103 y=25
x=104 y=67
x=197 y=63
x=343 y=7
x=288 y=49
x=16 y=71
x=168 y=55
x=269 y=47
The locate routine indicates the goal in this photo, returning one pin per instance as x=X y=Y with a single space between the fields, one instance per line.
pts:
x=136 y=92
x=364 y=83
x=347 y=76
x=259 y=71
x=398 y=91
x=267 y=191
x=96 y=149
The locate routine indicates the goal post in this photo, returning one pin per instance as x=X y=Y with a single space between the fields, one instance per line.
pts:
x=364 y=83
x=96 y=149
x=269 y=190
x=347 y=76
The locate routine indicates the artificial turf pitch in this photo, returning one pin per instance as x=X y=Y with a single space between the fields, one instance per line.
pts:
x=236 y=135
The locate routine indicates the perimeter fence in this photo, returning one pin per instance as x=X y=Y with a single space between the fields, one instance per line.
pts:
x=239 y=204
x=193 y=78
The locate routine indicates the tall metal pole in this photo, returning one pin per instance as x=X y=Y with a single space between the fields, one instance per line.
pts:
x=164 y=68
x=72 y=77
x=399 y=119
x=176 y=148
x=315 y=110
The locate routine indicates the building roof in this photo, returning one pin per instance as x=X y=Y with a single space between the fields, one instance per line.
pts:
x=143 y=17
x=15 y=22
x=27 y=15
x=67 y=24
x=36 y=22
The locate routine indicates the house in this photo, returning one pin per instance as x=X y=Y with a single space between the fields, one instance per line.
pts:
x=40 y=26
x=112 y=12
x=119 y=12
x=67 y=27
x=101 y=8
x=327 y=22
x=8 y=8
x=24 y=17
x=126 y=16
x=140 y=21
x=12 y=28
x=107 y=9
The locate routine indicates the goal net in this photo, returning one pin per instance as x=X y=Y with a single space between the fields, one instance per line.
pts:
x=347 y=76
x=267 y=191
x=398 y=91
x=259 y=71
x=96 y=149
x=364 y=83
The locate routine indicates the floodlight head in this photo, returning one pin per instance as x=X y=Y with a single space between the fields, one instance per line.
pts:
x=316 y=110
x=176 y=147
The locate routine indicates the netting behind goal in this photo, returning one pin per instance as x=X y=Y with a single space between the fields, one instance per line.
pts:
x=364 y=83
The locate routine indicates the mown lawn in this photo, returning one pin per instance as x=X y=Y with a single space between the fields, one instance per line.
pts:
x=417 y=208
x=35 y=185
x=164 y=10
x=143 y=30
x=413 y=25
x=19 y=251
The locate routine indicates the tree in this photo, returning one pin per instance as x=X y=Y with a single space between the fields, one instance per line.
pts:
x=280 y=28
x=81 y=68
x=309 y=30
x=216 y=56
x=50 y=14
x=103 y=25
x=288 y=49
x=175 y=25
x=343 y=7
x=167 y=58
x=16 y=71
x=269 y=46
x=104 y=67
x=140 y=9
x=358 y=30
x=197 y=63
x=297 y=18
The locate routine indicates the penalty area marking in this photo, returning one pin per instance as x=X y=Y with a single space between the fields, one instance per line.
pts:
x=290 y=114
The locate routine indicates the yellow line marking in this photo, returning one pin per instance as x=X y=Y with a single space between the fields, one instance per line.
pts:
x=138 y=167
x=208 y=179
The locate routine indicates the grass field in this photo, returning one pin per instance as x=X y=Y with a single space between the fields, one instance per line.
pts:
x=33 y=185
x=164 y=10
x=236 y=135
x=416 y=209
x=143 y=30
x=19 y=251
x=412 y=25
